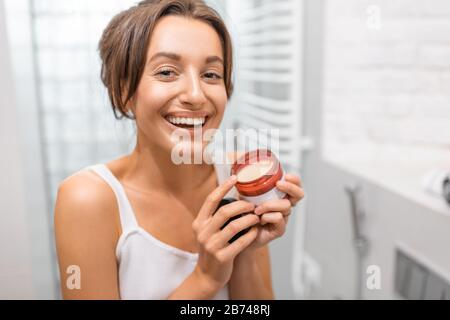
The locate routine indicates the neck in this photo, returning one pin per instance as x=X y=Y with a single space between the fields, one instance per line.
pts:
x=151 y=168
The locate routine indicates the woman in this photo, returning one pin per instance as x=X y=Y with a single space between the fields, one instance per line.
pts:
x=142 y=227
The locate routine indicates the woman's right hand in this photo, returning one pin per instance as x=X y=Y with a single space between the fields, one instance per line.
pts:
x=216 y=256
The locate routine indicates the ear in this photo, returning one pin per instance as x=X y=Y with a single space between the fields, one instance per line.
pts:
x=130 y=107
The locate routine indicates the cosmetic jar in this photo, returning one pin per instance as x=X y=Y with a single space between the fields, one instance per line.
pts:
x=257 y=174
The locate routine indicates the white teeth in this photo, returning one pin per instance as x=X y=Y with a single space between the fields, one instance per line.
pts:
x=197 y=122
x=187 y=121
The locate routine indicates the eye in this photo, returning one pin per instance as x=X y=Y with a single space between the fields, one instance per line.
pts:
x=212 y=75
x=165 y=73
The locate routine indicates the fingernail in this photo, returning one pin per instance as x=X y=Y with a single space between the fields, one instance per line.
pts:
x=233 y=178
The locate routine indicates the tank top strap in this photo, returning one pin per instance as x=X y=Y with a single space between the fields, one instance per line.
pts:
x=127 y=217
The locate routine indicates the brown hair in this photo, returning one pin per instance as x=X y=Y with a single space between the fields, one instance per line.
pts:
x=124 y=44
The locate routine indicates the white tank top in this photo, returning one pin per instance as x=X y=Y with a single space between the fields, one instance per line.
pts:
x=149 y=269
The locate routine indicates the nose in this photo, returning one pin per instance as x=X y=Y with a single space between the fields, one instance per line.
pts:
x=193 y=94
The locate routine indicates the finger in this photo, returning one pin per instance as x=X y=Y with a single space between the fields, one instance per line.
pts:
x=271 y=217
x=213 y=199
x=295 y=179
x=286 y=213
x=277 y=223
x=282 y=205
x=276 y=219
x=220 y=240
x=295 y=192
x=225 y=213
x=233 y=249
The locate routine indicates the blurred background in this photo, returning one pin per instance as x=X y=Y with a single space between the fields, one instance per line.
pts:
x=360 y=91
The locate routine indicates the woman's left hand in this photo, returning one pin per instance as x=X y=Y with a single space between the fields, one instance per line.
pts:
x=274 y=214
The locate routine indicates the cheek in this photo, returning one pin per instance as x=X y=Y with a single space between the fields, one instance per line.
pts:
x=150 y=98
x=219 y=98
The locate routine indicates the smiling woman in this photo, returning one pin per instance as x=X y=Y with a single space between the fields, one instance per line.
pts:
x=123 y=47
x=141 y=226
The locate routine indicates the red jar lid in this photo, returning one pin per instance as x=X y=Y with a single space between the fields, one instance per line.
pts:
x=263 y=183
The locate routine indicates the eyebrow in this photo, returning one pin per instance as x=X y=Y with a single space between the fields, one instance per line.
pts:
x=177 y=57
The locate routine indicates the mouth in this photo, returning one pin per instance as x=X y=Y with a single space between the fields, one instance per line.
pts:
x=188 y=123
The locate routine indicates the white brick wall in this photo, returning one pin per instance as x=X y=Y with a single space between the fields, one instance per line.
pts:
x=387 y=85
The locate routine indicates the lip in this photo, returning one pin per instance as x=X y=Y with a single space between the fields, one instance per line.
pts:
x=187 y=114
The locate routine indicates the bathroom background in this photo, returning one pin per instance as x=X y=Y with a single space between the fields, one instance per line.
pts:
x=360 y=91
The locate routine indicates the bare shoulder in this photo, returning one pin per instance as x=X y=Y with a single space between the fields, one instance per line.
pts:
x=85 y=189
x=86 y=235
x=85 y=197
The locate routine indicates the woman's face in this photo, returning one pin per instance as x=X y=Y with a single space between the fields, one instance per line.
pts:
x=182 y=83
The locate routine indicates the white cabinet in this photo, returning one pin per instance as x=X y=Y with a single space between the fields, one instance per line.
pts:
x=392 y=220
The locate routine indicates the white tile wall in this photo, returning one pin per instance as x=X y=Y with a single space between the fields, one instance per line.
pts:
x=387 y=75
x=79 y=126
